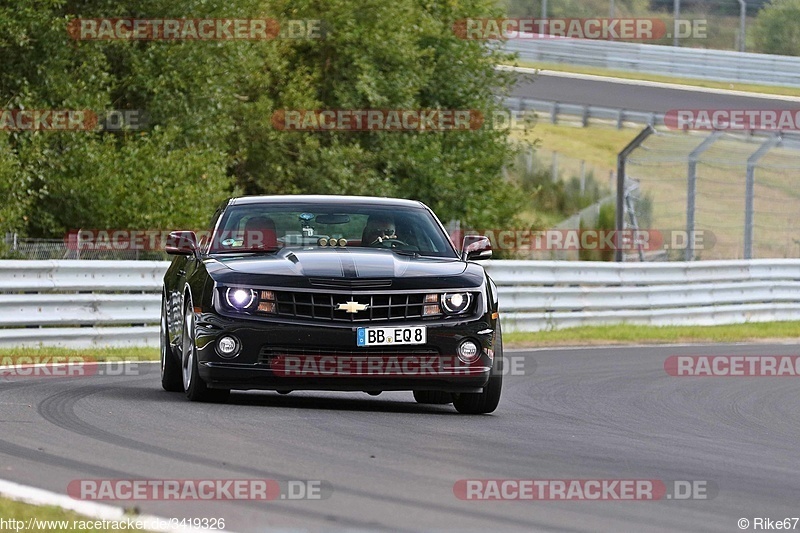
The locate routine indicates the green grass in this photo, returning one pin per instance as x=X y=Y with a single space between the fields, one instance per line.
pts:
x=597 y=71
x=10 y=509
x=661 y=168
x=89 y=354
x=626 y=334
x=617 y=334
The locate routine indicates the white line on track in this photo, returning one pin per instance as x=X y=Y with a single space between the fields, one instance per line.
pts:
x=93 y=510
x=665 y=345
x=643 y=83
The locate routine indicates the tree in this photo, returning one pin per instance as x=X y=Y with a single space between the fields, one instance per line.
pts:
x=210 y=106
x=777 y=30
x=402 y=54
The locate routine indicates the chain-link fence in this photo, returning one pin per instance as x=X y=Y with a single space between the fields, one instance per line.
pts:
x=15 y=247
x=736 y=193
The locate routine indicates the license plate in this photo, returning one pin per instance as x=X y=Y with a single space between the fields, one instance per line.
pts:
x=391 y=336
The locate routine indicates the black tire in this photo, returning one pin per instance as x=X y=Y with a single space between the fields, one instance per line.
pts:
x=194 y=386
x=479 y=403
x=170 y=367
x=433 y=397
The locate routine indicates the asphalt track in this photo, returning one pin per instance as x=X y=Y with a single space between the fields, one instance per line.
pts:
x=634 y=96
x=607 y=413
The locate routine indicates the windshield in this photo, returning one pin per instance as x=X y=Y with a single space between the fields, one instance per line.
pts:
x=254 y=228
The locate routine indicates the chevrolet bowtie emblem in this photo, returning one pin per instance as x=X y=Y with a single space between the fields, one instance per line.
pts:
x=352 y=307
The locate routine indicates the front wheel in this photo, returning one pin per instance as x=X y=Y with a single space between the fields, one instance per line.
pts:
x=195 y=388
x=478 y=403
x=170 y=367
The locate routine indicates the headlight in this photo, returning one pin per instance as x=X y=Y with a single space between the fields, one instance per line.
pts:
x=456 y=303
x=241 y=299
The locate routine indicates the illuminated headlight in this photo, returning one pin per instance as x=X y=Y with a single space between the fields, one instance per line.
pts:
x=228 y=347
x=241 y=298
x=456 y=303
x=468 y=352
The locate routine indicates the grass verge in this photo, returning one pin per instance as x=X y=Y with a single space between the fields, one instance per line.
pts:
x=626 y=334
x=44 y=518
x=597 y=71
x=589 y=335
x=9 y=355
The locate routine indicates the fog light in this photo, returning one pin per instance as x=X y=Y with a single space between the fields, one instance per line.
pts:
x=431 y=310
x=227 y=347
x=468 y=352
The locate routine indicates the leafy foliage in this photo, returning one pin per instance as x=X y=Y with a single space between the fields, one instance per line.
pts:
x=210 y=106
x=776 y=30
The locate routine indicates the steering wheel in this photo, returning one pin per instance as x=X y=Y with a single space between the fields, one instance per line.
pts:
x=388 y=243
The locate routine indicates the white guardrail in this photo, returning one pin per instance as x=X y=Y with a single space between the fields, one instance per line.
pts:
x=117 y=303
x=80 y=303
x=717 y=65
x=583 y=114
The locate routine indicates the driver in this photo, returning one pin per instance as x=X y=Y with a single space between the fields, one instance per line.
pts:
x=378 y=229
x=259 y=233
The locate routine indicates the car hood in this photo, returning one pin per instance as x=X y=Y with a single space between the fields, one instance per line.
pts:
x=315 y=264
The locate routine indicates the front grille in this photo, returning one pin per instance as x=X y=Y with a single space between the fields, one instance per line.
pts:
x=268 y=353
x=337 y=283
x=323 y=306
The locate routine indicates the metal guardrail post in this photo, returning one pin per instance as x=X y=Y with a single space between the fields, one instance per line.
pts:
x=554 y=114
x=742 y=25
x=691 y=193
x=621 y=160
x=750 y=192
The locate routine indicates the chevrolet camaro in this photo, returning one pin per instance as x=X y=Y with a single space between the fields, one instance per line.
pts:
x=330 y=293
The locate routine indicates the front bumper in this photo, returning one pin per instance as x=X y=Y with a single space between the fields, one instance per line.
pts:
x=276 y=355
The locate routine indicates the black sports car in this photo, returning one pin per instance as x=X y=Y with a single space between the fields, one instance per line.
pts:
x=330 y=293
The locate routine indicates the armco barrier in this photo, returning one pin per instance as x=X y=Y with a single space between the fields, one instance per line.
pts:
x=717 y=65
x=117 y=303
x=80 y=303
x=540 y=295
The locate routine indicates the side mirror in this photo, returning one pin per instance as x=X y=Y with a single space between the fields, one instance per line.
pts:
x=181 y=243
x=476 y=248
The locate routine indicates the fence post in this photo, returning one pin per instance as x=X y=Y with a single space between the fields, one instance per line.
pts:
x=621 y=160
x=583 y=176
x=691 y=193
x=554 y=169
x=752 y=161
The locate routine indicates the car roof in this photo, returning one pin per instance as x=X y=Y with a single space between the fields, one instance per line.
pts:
x=330 y=199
